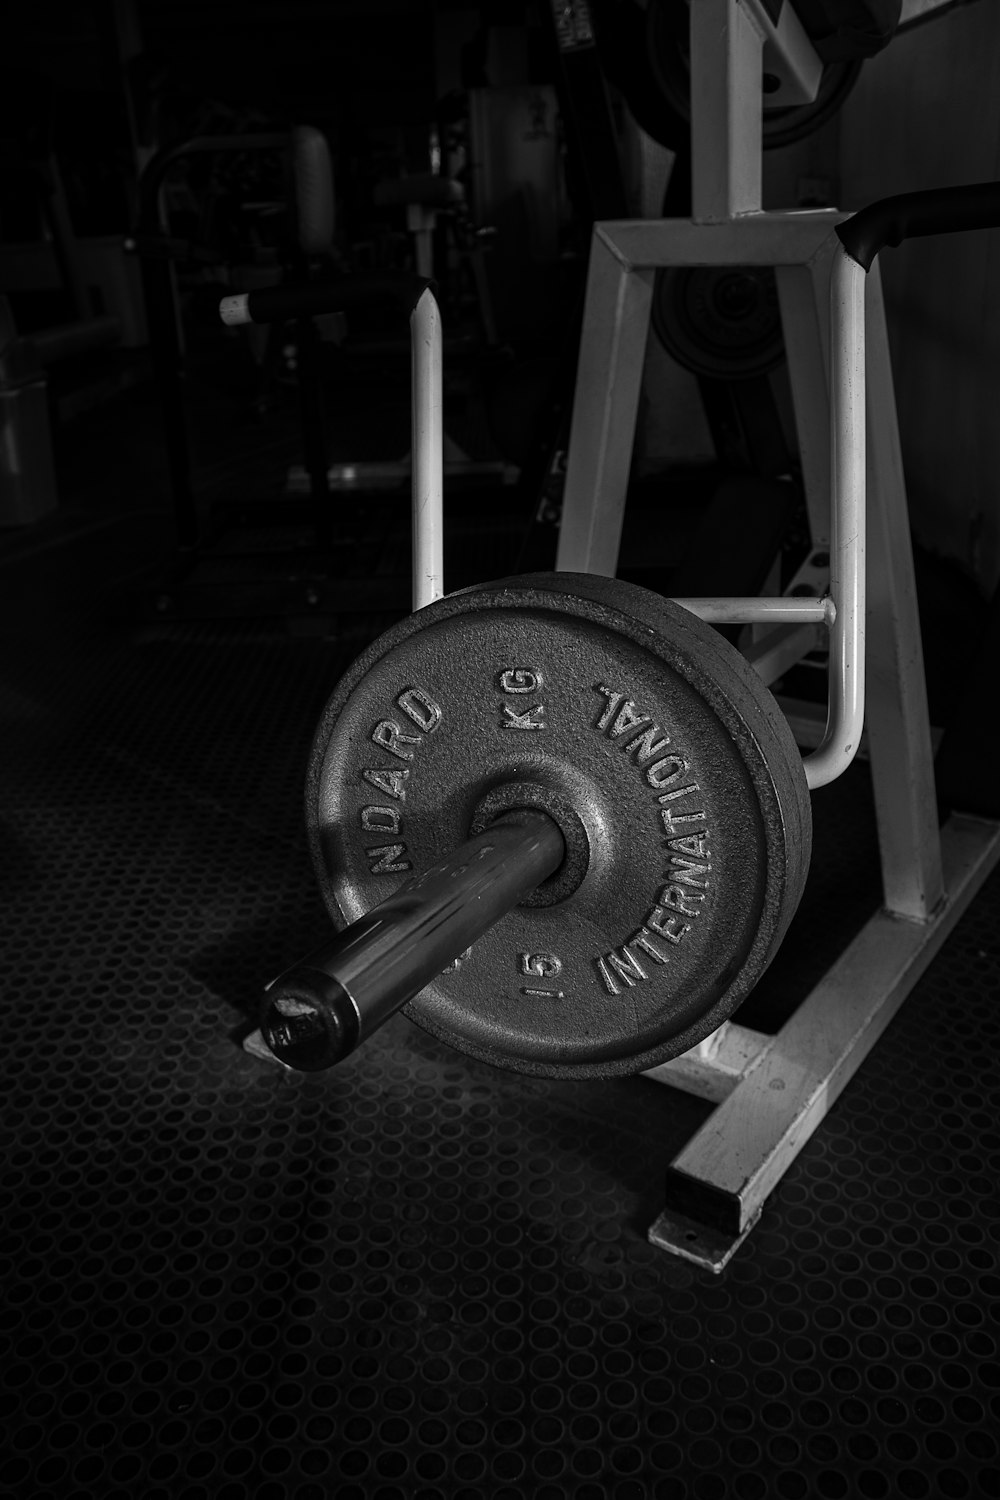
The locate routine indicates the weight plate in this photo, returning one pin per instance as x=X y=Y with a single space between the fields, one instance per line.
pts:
x=667 y=61
x=786 y=126
x=720 y=321
x=607 y=705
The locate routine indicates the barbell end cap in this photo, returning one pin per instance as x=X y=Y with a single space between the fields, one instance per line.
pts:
x=235 y=311
x=309 y=1020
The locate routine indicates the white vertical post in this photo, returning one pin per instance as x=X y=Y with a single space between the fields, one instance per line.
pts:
x=605 y=406
x=899 y=734
x=426 y=396
x=804 y=297
x=727 y=47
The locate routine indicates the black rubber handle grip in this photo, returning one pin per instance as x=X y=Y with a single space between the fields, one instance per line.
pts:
x=908 y=215
x=271 y=304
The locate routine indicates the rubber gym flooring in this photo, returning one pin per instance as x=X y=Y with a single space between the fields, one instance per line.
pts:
x=412 y=1278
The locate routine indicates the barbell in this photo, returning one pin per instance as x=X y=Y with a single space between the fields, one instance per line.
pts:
x=561 y=821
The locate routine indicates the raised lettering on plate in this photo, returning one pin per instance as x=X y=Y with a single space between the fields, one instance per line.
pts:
x=613 y=701
x=520 y=680
x=662 y=772
x=421 y=708
x=532 y=718
x=388 y=780
x=389 y=736
x=389 y=860
x=542 y=966
x=380 y=819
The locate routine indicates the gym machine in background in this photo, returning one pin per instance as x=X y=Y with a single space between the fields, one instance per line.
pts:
x=607 y=749
x=214 y=574
x=235 y=580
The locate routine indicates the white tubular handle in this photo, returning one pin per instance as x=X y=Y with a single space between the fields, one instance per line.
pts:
x=751 y=610
x=427 y=448
x=843 y=608
x=846 y=711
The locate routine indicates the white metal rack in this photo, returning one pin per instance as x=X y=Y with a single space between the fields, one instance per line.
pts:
x=771 y=1092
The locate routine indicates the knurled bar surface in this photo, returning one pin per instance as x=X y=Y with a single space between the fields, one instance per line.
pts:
x=415 y=1277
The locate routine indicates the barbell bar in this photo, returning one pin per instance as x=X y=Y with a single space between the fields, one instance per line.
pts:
x=319 y=1010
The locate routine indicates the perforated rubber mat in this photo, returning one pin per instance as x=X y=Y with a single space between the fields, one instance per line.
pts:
x=415 y=1277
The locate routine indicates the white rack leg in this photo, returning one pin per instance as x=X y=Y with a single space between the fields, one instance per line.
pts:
x=899 y=733
x=718 y=1184
x=805 y=322
x=714 y=1068
x=605 y=407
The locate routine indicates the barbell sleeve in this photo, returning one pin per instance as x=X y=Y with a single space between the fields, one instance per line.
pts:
x=323 y=1007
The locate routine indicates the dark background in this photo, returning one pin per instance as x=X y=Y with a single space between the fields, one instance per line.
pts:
x=417 y=1277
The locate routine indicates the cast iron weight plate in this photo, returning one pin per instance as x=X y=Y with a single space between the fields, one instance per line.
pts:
x=665 y=760
x=721 y=322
